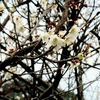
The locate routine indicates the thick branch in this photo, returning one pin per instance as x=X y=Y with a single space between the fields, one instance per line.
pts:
x=21 y=52
x=64 y=16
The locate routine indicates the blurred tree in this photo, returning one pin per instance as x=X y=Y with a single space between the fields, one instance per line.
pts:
x=48 y=45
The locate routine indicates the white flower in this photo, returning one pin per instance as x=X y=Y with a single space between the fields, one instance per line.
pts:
x=72 y=35
x=20 y=27
x=45 y=37
x=12 y=69
x=61 y=43
x=61 y=33
x=68 y=39
x=17 y=98
x=51 y=31
x=80 y=56
x=1 y=89
x=15 y=70
x=19 y=23
x=17 y=19
x=43 y=3
x=60 y=13
x=1 y=7
x=54 y=39
x=54 y=7
x=33 y=17
x=22 y=95
x=10 y=50
x=8 y=75
x=19 y=70
x=74 y=30
x=57 y=42
x=13 y=9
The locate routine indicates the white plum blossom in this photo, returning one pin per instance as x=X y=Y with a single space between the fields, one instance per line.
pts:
x=80 y=56
x=9 y=75
x=18 y=20
x=20 y=27
x=74 y=30
x=19 y=24
x=61 y=33
x=68 y=39
x=13 y=9
x=1 y=7
x=51 y=31
x=45 y=37
x=72 y=35
x=57 y=40
x=33 y=17
x=1 y=89
x=17 y=98
x=54 y=7
x=44 y=3
x=54 y=39
x=15 y=70
x=60 y=13
x=10 y=49
x=61 y=43
x=22 y=95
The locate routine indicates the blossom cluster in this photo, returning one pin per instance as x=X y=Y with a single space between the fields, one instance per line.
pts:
x=58 y=40
x=18 y=22
x=14 y=70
